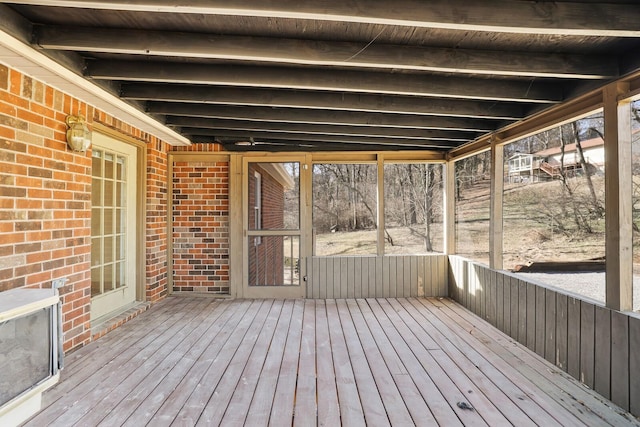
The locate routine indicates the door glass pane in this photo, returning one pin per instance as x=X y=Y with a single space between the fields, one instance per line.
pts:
x=96 y=221
x=108 y=278
x=274 y=260
x=274 y=196
x=120 y=220
x=108 y=217
x=96 y=192
x=96 y=280
x=108 y=165
x=108 y=249
x=96 y=163
x=120 y=279
x=120 y=200
x=96 y=251
x=120 y=168
x=108 y=193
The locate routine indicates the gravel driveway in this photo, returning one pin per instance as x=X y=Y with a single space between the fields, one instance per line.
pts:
x=589 y=284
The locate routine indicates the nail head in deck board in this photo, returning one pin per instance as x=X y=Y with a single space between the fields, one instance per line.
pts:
x=562 y=343
x=634 y=364
x=550 y=325
x=584 y=404
x=493 y=366
x=521 y=373
x=444 y=364
x=620 y=373
x=587 y=343
x=573 y=337
x=602 y=374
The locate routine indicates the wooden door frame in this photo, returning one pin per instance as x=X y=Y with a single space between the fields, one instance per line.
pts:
x=242 y=163
x=140 y=204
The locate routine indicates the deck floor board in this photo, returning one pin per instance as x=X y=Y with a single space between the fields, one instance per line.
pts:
x=408 y=361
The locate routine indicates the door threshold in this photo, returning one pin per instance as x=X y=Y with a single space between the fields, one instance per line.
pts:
x=102 y=325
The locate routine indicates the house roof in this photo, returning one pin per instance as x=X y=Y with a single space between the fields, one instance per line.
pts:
x=569 y=148
x=333 y=75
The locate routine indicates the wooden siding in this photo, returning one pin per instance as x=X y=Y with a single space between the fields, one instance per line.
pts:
x=592 y=343
x=354 y=362
x=394 y=276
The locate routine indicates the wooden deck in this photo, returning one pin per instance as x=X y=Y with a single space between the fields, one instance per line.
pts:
x=377 y=362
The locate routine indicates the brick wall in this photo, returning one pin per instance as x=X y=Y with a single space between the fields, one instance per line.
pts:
x=201 y=227
x=266 y=256
x=157 y=241
x=45 y=197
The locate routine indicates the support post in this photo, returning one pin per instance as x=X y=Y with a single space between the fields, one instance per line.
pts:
x=449 y=208
x=496 y=215
x=236 y=258
x=380 y=219
x=618 y=198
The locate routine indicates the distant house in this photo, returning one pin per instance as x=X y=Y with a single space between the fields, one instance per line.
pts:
x=548 y=164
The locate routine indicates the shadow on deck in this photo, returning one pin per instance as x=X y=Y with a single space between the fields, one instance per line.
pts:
x=399 y=362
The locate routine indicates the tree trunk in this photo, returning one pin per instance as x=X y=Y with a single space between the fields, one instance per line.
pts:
x=587 y=172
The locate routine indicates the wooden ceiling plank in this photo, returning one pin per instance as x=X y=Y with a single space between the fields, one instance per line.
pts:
x=327 y=117
x=321 y=53
x=297 y=128
x=524 y=17
x=322 y=101
x=329 y=80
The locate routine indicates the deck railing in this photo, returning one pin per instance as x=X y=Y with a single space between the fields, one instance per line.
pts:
x=596 y=345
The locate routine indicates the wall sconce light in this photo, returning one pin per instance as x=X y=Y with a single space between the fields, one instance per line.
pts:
x=78 y=134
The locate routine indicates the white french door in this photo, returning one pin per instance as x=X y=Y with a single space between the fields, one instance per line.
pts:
x=113 y=225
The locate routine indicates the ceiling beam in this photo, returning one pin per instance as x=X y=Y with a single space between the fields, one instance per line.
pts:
x=328 y=80
x=221 y=134
x=327 y=117
x=322 y=100
x=298 y=128
x=528 y=17
x=321 y=53
x=430 y=153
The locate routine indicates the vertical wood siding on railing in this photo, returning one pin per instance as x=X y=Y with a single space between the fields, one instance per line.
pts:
x=394 y=276
x=596 y=345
